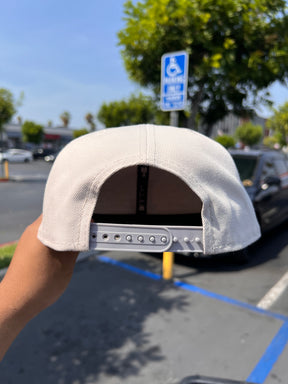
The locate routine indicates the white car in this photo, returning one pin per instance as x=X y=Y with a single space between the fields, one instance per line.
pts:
x=16 y=156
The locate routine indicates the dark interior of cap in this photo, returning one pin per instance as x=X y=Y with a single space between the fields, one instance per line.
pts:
x=193 y=219
x=147 y=195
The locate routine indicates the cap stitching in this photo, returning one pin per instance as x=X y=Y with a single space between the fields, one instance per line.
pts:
x=154 y=146
x=146 y=142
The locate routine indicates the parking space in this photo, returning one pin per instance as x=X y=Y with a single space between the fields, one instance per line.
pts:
x=119 y=322
x=263 y=370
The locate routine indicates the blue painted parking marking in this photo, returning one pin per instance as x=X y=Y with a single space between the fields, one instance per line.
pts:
x=228 y=300
x=274 y=349
x=271 y=355
x=130 y=268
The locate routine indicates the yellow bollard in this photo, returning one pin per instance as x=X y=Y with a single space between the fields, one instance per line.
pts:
x=168 y=260
x=6 y=169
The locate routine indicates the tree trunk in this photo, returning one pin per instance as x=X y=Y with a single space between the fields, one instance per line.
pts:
x=195 y=103
x=192 y=119
x=208 y=130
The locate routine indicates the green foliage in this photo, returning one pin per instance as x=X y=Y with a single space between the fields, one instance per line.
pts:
x=79 y=132
x=278 y=123
x=249 y=134
x=226 y=140
x=138 y=109
x=7 y=108
x=271 y=141
x=32 y=132
x=6 y=254
x=65 y=118
x=237 y=48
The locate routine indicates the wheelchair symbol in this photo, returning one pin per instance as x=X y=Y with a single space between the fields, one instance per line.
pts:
x=173 y=68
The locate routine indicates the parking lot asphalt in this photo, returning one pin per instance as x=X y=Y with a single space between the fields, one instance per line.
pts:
x=35 y=171
x=120 y=323
x=21 y=198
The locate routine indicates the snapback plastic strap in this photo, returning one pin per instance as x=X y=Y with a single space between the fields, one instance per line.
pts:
x=145 y=238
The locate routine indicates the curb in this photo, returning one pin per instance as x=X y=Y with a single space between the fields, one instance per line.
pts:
x=28 y=178
x=8 y=243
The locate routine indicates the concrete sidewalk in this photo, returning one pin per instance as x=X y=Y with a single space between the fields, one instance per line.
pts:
x=28 y=177
x=26 y=172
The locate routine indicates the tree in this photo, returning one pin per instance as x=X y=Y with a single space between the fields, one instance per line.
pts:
x=249 y=134
x=7 y=109
x=137 y=109
x=90 y=120
x=237 y=48
x=79 y=132
x=32 y=132
x=272 y=141
x=65 y=117
x=226 y=140
x=278 y=123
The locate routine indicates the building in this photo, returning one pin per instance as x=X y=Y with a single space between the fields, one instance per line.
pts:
x=230 y=123
x=53 y=137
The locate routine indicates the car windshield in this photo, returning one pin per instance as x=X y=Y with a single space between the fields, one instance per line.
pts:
x=246 y=167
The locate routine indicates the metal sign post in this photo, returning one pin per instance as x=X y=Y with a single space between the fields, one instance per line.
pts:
x=174 y=80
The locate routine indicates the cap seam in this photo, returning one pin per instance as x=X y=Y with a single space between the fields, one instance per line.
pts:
x=154 y=145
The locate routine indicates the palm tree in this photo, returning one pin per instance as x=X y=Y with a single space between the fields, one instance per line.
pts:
x=90 y=120
x=65 y=117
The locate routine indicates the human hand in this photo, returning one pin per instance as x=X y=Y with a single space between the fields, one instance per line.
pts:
x=36 y=278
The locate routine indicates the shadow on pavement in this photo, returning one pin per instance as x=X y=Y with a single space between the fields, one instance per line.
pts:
x=96 y=328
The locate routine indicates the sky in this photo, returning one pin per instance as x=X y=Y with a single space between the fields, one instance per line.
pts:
x=63 y=55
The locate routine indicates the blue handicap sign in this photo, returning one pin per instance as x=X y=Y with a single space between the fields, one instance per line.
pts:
x=174 y=79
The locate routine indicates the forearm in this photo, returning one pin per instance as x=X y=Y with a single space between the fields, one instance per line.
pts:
x=36 y=278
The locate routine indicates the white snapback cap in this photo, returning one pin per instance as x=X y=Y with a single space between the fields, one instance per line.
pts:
x=146 y=185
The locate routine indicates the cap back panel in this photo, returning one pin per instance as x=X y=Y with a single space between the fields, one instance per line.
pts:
x=167 y=195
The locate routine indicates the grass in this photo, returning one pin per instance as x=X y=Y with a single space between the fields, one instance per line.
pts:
x=6 y=254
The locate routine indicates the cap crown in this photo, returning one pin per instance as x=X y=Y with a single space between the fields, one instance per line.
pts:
x=190 y=173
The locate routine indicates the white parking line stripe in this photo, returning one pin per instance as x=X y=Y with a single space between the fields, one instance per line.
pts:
x=275 y=292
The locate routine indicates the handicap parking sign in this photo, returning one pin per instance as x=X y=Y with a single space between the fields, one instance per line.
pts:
x=174 y=79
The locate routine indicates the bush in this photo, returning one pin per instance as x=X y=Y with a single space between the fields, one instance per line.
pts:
x=32 y=132
x=6 y=254
x=249 y=134
x=226 y=140
x=79 y=132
